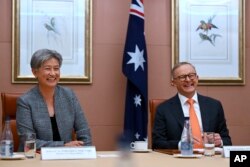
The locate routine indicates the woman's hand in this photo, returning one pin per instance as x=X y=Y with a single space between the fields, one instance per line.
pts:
x=74 y=143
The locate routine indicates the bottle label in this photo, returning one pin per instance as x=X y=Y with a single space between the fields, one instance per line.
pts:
x=6 y=148
x=186 y=146
x=8 y=142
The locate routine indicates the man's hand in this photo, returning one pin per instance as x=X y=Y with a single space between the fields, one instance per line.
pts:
x=217 y=140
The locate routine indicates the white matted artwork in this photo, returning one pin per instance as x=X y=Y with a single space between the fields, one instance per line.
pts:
x=210 y=35
x=61 y=25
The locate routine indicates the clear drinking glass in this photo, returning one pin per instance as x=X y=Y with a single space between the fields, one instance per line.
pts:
x=209 y=145
x=30 y=145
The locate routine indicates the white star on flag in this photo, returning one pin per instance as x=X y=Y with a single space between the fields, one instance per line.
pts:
x=137 y=58
x=137 y=135
x=137 y=100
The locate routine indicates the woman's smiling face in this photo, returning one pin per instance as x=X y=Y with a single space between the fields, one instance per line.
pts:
x=48 y=75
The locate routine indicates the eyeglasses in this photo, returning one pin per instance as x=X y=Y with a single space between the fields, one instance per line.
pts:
x=191 y=76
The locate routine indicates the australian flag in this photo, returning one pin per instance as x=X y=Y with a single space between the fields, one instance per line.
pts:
x=135 y=69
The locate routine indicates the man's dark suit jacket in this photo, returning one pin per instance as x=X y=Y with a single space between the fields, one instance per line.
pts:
x=169 y=120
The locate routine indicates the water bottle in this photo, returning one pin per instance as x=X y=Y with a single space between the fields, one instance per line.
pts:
x=125 y=157
x=186 y=139
x=6 y=144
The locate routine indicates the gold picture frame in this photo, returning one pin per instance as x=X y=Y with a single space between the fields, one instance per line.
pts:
x=210 y=35
x=64 y=26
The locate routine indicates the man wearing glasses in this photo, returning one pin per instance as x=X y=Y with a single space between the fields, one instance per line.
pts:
x=170 y=114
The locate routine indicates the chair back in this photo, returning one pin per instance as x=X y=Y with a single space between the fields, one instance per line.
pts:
x=9 y=108
x=153 y=104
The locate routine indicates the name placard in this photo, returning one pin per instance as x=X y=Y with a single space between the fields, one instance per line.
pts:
x=60 y=153
x=227 y=149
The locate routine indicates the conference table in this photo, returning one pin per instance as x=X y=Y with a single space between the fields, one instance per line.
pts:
x=133 y=159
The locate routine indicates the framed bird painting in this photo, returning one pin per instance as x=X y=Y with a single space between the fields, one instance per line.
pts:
x=210 y=35
x=61 y=25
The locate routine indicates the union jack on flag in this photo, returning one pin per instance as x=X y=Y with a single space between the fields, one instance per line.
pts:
x=135 y=69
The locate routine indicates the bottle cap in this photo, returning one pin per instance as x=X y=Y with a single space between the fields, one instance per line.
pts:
x=7 y=118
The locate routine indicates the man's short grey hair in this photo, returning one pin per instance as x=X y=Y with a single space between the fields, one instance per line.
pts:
x=42 y=55
x=180 y=64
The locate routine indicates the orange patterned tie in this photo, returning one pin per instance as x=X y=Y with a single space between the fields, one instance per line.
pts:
x=196 y=130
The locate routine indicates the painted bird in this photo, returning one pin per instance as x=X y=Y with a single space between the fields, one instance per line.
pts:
x=206 y=26
x=211 y=38
x=204 y=37
x=51 y=26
